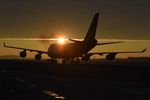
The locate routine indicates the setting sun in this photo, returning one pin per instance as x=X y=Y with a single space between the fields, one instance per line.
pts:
x=61 y=40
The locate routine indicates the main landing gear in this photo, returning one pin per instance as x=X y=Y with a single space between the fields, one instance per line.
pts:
x=65 y=61
x=53 y=61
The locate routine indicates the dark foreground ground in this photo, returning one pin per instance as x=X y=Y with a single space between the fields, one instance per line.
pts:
x=30 y=80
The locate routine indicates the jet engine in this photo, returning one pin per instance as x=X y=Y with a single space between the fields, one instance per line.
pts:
x=111 y=56
x=23 y=54
x=37 y=56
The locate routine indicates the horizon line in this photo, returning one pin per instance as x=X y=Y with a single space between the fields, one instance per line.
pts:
x=54 y=39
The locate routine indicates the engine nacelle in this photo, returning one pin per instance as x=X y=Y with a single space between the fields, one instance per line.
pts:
x=111 y=56
x=23 y=54
x=37 y=56
x=86 y=57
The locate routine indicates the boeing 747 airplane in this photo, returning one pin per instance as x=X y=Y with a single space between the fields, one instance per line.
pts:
x=71 y=52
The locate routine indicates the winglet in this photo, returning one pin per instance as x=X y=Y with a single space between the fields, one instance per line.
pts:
x=144 y=50
x=4 y=44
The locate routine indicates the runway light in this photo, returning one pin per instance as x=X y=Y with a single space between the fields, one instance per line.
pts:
x=61 y=40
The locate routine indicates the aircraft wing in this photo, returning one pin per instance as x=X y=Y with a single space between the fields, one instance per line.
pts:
x=39 y=51
x=101 y=53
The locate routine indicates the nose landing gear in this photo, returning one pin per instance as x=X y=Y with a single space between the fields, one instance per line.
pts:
x=65 y=61
x=71 y=61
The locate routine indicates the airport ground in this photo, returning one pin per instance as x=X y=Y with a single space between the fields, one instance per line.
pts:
x=96 y=80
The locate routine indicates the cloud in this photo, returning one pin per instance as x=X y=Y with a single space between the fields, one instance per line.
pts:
x=49 y=36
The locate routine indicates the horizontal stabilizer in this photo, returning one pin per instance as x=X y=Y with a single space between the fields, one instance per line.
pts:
x=74 y=40
x=109 y=43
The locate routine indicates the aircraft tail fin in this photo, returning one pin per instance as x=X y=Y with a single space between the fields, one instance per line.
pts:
x=92 y=29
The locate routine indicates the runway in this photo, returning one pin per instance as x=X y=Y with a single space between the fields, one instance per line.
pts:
x=32 y=80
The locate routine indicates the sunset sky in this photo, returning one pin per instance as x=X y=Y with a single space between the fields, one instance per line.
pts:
x=119 y=19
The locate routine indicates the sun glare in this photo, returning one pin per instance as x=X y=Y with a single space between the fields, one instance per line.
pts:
x=61 y=40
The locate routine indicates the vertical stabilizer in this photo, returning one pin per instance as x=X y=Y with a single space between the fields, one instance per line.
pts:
x=92 y=29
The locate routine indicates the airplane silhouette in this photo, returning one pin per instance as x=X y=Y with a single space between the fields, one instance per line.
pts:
x=71 y=52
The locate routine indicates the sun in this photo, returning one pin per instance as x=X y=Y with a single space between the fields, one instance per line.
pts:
x=61 y=40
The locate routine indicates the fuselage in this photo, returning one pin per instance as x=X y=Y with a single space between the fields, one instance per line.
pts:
x=78 y=48
x=70 y=50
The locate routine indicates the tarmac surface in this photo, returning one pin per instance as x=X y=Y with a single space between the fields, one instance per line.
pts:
x=102 y=80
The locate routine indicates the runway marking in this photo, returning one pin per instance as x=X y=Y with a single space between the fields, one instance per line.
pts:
x=3 y=71
x=12 y=91
x=52 y=94
x=32 y=85
x=6 y=71
x=19 y=79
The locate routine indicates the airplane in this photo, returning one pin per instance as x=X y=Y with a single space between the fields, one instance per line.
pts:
x=71 y=52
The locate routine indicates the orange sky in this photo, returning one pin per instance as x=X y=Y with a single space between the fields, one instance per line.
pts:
x=121 y=19
x=128 y=45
